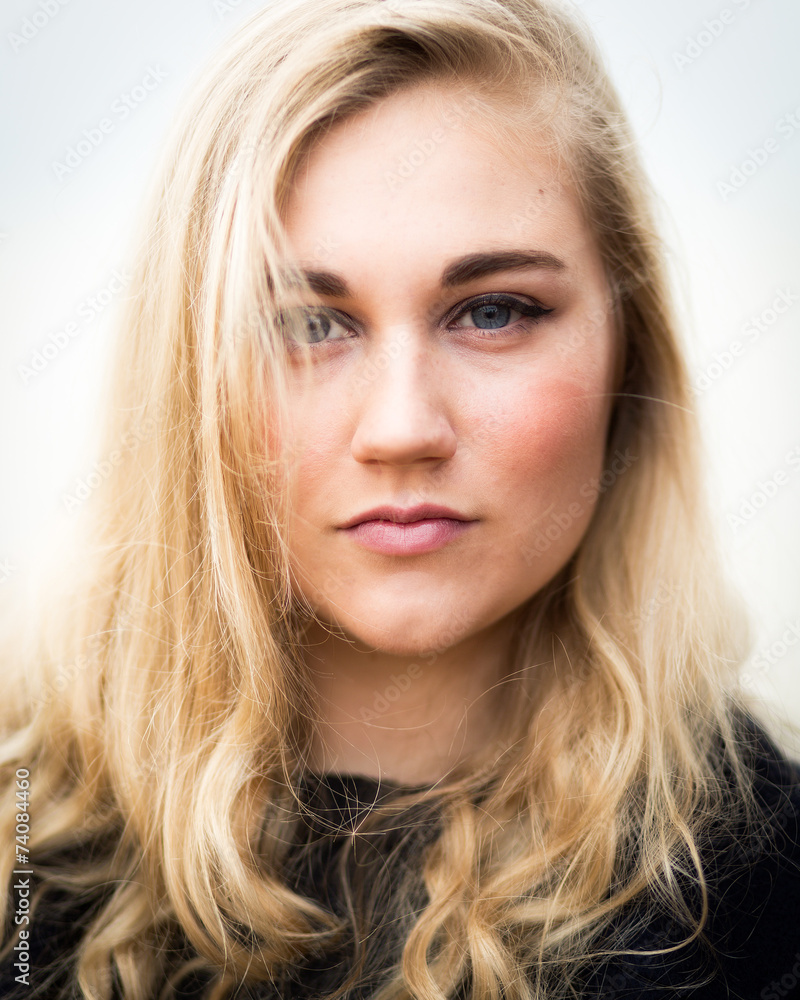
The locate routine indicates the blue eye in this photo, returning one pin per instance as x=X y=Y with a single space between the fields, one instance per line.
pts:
x=493 y=314
x=497 y=312
x=311 y=325
x=308 y=325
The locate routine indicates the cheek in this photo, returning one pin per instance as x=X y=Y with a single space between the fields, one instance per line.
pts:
x=310 y=438
x=553 y=440
x=310 y=464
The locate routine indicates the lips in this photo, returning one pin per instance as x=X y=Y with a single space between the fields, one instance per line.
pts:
x=407 y=531
x=406 y=515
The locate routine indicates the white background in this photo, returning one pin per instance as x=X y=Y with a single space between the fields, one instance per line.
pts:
x=704 y=90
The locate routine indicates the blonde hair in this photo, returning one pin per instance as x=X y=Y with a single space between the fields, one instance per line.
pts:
x=166 y=717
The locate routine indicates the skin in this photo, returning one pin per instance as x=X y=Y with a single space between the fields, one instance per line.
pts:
x=411 y=399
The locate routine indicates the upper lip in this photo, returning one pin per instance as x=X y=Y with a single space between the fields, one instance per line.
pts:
x=404 y=515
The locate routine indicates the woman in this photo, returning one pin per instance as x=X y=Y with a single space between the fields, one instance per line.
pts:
x=400 y=664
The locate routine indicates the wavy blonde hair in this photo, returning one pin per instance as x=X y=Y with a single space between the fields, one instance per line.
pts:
x=165 y=715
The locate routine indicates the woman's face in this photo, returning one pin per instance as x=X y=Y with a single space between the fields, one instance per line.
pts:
x=463 y=356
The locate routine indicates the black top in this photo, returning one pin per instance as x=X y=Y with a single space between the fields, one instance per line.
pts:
x=753 y=928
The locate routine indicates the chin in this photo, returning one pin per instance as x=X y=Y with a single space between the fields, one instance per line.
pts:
x=407 y=636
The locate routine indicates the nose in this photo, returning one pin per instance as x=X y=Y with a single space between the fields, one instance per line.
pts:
x=401 y=406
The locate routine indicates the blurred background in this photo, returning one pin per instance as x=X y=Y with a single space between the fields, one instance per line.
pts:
x=713 y=90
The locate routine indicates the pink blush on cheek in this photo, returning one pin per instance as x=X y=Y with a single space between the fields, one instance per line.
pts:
x=557 y=426
x=548 y=451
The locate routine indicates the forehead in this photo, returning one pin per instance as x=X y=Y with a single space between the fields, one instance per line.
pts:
x=432 y=171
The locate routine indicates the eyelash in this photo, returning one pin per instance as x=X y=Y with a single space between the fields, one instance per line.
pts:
x=530 y=311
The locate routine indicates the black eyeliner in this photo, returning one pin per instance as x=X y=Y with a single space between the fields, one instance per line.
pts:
x=531 y=310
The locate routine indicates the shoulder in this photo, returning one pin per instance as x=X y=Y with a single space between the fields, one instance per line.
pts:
x=54 y=934
x=42 y=961
x=750 y=946
x=56 y=919
x=754 y=923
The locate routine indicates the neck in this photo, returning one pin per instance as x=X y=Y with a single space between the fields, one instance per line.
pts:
x=404 y=719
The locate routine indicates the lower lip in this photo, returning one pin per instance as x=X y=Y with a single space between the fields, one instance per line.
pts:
x=395 y=539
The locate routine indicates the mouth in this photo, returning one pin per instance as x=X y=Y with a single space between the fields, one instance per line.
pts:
x=408 y=515
x=407 y=538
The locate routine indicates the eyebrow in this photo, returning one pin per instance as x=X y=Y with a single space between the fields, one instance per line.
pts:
x=458 y=272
